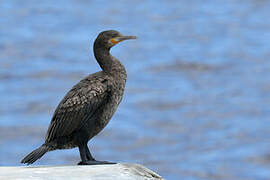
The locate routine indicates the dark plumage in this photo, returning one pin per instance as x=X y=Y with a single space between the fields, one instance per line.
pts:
x=89 y=105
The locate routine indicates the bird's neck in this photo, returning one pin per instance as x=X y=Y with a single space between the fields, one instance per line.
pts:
x=107 y=62
x=104 y=58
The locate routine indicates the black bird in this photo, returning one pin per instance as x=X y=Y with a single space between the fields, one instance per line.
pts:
x=89 y=105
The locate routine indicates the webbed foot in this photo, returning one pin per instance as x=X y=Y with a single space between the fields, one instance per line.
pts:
x=94 y=162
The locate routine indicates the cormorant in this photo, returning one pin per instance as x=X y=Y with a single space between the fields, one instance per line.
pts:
x=88 y=107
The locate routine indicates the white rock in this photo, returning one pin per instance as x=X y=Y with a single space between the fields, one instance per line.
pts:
x=94 y=172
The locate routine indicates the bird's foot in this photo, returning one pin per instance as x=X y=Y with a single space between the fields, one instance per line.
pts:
x=94 y=162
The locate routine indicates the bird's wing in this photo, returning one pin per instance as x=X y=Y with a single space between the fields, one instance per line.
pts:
x=79 y=104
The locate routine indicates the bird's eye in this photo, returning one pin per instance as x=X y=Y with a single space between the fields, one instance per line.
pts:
x=115 y=35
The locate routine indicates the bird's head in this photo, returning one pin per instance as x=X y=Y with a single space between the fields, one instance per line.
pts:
x=108 y=39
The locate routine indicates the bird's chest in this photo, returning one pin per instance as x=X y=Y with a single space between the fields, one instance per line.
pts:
x=108 y=109
x=113 y=100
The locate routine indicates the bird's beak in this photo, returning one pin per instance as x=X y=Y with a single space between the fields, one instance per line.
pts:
x=121 y=38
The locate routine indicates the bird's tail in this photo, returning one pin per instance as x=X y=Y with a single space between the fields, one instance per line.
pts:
x=36 y=154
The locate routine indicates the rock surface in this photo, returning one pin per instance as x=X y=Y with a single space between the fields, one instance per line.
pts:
x=98 y=172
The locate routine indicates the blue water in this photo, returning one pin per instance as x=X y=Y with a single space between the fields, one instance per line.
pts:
x=197 y=98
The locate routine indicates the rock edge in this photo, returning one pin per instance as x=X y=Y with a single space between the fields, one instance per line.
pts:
x=120 y=171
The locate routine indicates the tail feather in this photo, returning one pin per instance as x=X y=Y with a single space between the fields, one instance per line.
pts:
x=35 y=155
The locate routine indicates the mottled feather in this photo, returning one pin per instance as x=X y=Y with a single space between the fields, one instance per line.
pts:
x=78 y=106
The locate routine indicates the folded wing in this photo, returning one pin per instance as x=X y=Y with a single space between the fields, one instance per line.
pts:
x=78 y=106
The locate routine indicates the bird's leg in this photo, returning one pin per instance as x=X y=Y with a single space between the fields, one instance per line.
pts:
x=82 y=154
x=87 y=158
x=88 y=154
